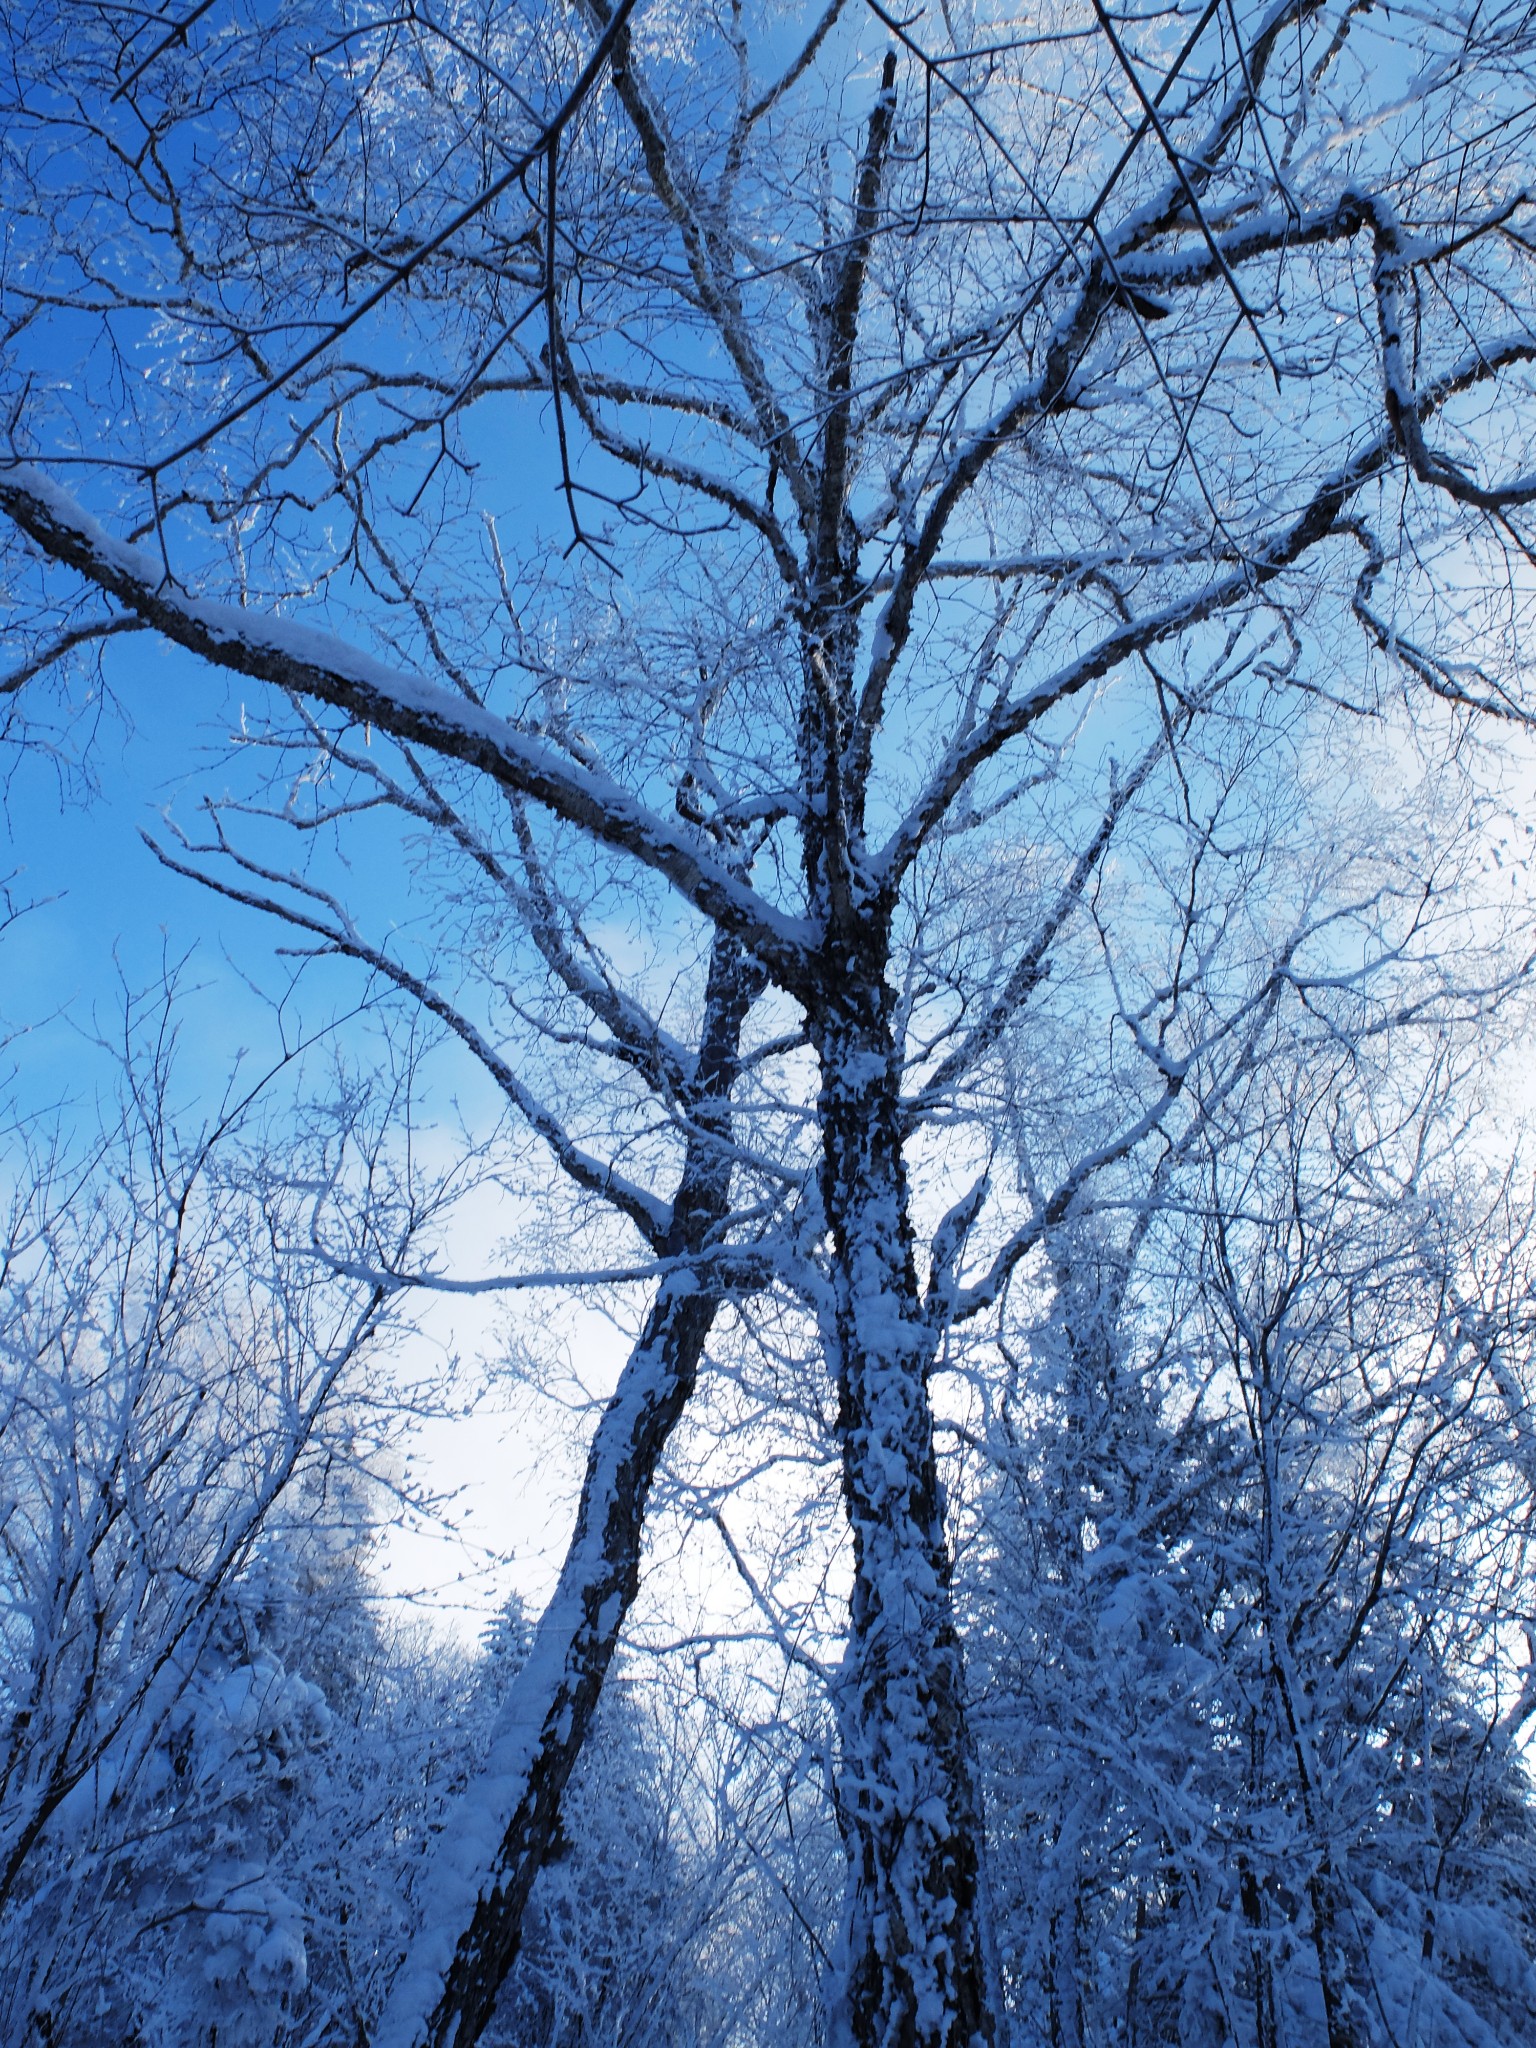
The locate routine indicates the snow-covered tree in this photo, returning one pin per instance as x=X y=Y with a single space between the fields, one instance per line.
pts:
x=171 y=1359
x=968 y=430
x=1249 y=1587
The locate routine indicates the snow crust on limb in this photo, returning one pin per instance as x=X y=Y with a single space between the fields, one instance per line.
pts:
x=493 y=1847
x=318 y=664
x=470 y=1910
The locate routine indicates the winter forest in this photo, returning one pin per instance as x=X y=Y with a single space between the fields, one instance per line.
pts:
x=843 y=705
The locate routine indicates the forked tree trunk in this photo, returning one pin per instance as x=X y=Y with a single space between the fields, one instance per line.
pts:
x=500 y=1836
x=916 y=1949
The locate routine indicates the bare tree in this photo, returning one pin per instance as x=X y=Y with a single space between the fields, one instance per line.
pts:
x=941 y=408
x=173 y=1356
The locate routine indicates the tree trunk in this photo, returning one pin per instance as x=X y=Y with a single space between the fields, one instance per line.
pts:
x=471 y=1913
x=1263 y=1985
x=916 y=1975
x=1332 y=1968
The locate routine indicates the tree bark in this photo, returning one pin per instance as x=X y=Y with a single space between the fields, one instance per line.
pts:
x=916 y=1975
x=1332 y=1967
x=500 y=1837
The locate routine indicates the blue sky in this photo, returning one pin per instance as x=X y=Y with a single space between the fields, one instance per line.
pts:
x=106 y=914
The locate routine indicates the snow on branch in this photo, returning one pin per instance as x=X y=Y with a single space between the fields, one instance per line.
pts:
x=318 y=665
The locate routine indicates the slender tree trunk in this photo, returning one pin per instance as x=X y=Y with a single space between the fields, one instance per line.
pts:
x=495 y=1845
x=1263 y=1987
x=1133 y=1983
x=1332 y=1968
x=1255 y=1908
x=916 y=1975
